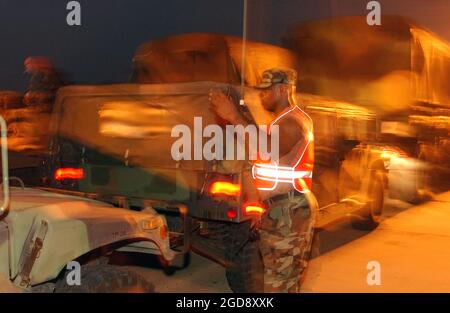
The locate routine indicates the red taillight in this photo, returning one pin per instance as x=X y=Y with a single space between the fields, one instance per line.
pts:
x=231 y=213
x=69 y=173
x=225 y=188
x=255 y=209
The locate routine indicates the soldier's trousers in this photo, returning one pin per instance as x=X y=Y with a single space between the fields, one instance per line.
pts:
x=286 y=237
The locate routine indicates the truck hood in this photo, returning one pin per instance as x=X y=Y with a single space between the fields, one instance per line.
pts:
x=23 y=199
x=71 y=226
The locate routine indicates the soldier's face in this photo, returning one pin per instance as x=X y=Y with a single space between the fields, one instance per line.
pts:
x=271 y=97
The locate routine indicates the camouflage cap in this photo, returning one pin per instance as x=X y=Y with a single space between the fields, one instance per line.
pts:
x=274 y=76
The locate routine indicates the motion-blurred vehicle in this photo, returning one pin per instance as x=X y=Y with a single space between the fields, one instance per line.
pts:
x=28 y=116
x=400 y=72
x=113 y=143
x=42 y=231
x=28 y=120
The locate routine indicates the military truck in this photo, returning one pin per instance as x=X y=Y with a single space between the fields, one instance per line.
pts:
x=400 y=72
x=113 y=143
x=41 y=231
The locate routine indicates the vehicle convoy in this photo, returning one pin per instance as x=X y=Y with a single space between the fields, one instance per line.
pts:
x=113 y=143
x=42 y=231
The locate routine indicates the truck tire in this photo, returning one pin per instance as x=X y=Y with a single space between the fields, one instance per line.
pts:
x=105 y=278
x=246 y=274
x=371 y=215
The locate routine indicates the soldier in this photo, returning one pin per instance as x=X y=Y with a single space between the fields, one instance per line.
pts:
x=287 y=227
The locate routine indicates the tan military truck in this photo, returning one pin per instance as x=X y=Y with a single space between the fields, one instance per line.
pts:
x=42 y=231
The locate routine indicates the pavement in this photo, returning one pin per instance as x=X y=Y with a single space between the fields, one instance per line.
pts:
x=411 y=247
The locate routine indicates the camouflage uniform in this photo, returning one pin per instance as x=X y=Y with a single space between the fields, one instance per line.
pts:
x=286 y=236
x=277 y=76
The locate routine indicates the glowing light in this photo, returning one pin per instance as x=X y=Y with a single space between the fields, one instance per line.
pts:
x=231 y=214
x=69 y=173
x=282 y=174
x=254 y=209
x=225 y=188
x=152 y=224
x=391 y=153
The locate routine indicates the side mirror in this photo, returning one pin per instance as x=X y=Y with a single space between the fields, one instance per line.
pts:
x=5 y=169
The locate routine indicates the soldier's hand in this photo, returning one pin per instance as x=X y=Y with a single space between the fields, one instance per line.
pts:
x=223 y=106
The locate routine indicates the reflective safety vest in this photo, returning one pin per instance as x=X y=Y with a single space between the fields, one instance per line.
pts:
x=295 y=168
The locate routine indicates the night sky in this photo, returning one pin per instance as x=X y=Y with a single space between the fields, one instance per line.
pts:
x=101 y=49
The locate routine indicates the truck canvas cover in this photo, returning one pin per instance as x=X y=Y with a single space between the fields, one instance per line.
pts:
x=383 y=67
x=132 y=124
x=206 y=57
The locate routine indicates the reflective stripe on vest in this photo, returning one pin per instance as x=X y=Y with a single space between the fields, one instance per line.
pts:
x=267 y=175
